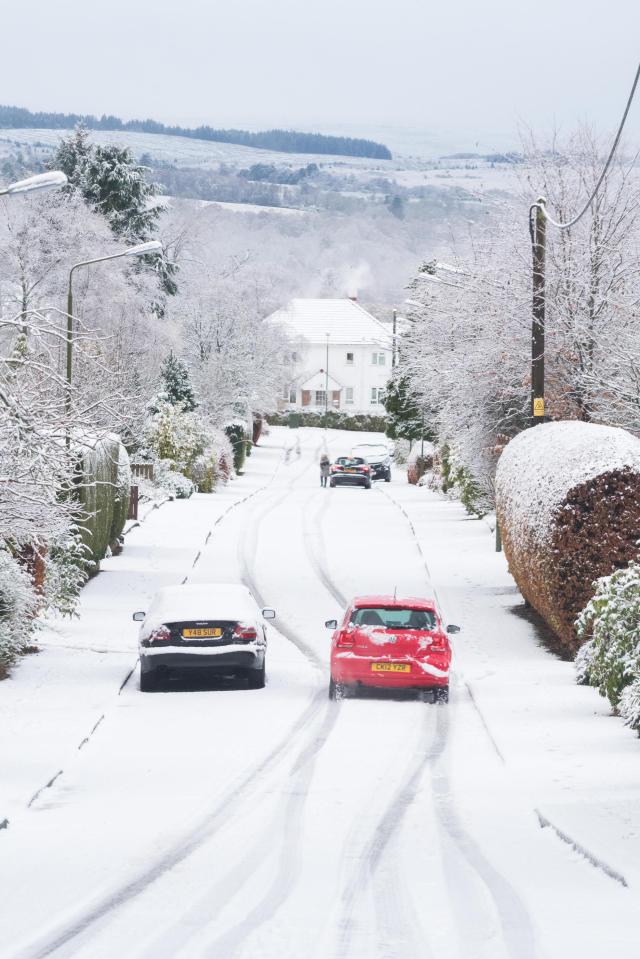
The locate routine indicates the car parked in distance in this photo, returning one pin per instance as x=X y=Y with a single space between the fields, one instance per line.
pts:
x=391 y=643
x=350 y=471
x=214 y=627
x=378 y=456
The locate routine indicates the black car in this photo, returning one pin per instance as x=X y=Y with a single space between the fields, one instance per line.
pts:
x=350 y=471
x=378 y=457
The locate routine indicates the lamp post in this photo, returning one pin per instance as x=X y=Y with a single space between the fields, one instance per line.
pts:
x=153 y=246
x=40 y=182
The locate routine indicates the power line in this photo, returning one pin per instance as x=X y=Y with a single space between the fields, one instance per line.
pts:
x=541 y=202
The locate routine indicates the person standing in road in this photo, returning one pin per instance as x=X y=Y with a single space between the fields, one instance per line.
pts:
x=325 y=469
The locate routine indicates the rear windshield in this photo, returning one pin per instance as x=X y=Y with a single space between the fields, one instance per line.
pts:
x=394 y=618
x=350 y=461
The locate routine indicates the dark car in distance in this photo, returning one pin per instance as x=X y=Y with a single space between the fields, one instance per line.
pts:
x=350 y=471
x=378 y=456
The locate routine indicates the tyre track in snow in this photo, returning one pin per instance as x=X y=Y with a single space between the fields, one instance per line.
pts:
x=66 y=940
x=516 y=926
x=289 y=818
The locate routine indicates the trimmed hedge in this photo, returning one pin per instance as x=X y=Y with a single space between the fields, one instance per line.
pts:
x=103 y=482
x=568 y=504
x=237 y=436
x=333 y=419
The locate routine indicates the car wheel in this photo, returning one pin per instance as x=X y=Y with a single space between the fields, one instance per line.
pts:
x=148 y=680
x=441 y=695
x=337 y=690
x=332 y=483
x=387 y=478
x=257 y=677
x=367 y=485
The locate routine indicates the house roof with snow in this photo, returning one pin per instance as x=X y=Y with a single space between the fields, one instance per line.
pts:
x=344 y=320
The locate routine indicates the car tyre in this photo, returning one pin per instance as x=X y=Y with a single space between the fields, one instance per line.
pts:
x=367 y=485
x=387 y=477
x=332 y=484
x=148 y=681
x=337 y=690
x=256 y=678
x=441 y=694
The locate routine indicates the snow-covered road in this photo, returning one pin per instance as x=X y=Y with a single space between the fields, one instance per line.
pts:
x=276 y=823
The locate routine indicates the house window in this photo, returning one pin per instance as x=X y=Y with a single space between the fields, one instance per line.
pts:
x=293 y=395
x=285 y=393
x=294 y=357
x=349 y=359
x=377 y=359
x=377 y=395
x=348 y=394
x=321 y=398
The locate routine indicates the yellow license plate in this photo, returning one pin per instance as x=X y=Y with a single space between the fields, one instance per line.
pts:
x=390 y=668
x=205 y=632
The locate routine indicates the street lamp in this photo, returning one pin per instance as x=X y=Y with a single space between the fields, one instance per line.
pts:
x=41 y=181
x=141 y=249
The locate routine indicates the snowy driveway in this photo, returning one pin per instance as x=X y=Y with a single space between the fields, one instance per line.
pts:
x=275 y=823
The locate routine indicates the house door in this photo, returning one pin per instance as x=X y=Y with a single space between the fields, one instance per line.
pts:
x=335 y=399
x=306 y=397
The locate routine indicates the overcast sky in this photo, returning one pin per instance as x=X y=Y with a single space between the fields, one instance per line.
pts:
x=462 y=70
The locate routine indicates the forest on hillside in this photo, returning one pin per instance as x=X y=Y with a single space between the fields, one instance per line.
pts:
x=282 y=141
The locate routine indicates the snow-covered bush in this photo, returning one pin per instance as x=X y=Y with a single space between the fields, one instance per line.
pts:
x=611 y=622
x=419 y=461
x=103 y=482
x=174 y=483
x=67 y=566
x=237 y=435
x=18 y=606
x=629 y=705
x=183 y=442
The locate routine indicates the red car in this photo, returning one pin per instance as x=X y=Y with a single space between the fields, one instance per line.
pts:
x=391 y=643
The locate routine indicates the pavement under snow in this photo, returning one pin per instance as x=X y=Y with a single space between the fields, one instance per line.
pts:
x=226 y=822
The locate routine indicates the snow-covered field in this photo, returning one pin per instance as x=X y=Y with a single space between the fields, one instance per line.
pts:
x=236 y=823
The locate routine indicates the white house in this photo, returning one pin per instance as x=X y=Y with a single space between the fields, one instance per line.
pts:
x=340 y=355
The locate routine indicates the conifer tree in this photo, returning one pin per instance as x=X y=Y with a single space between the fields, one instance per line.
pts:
x=115 y=186
x=177 y=384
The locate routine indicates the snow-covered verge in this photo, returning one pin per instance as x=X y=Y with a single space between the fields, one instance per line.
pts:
x=577 y=766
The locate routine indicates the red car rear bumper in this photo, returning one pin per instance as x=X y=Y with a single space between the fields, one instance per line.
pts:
x=347 y=667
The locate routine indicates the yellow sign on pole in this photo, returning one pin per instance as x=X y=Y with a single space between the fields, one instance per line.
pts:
x=538 y=406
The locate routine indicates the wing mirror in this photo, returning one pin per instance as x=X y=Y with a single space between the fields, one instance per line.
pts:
x=331 y=624
x=453 y=629
x=138 y=617
x=268 y=613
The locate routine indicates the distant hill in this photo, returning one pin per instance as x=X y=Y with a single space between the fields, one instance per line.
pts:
x=282 y=141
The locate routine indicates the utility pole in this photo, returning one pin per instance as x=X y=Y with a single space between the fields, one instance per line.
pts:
x=394 y=355
x=537 y=223
x=326 y=385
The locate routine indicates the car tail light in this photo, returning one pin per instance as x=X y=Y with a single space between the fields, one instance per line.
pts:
x=335 y=469
x=439 y=645
x=160 y=635
x=346 y=639
x=244 y=633
x=365 y=469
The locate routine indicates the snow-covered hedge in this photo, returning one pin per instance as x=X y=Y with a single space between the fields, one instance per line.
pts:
x=103 y=484
x=568 y=503
x=18 y=605
x=610 y=659
x=333 y=419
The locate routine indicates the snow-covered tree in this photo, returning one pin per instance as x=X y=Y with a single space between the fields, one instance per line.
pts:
x=176 y=383
x=115 y=186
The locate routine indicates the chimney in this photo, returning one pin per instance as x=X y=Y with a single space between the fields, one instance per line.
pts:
x=353 y=298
